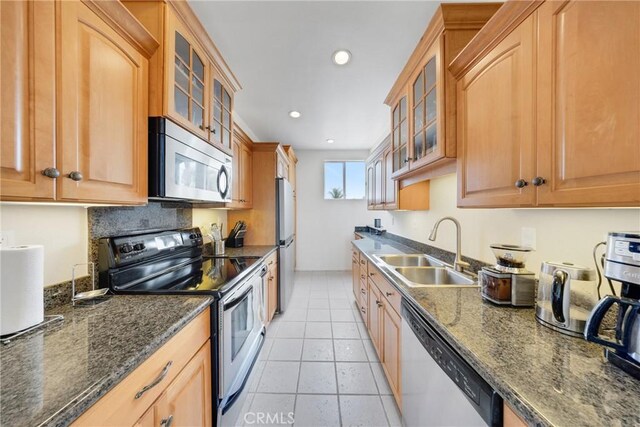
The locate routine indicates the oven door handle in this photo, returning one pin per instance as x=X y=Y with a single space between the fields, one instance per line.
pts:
x=230 y=304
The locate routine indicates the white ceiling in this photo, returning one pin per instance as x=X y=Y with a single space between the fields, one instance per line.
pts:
x=280 y=51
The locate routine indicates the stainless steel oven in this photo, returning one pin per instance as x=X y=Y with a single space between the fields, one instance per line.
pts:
x=185 y=167
x=241 y=334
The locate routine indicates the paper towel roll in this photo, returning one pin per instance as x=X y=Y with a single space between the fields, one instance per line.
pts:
x=21 y=287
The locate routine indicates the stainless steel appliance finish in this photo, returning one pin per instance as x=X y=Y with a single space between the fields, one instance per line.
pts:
x=508 y=282
x=171 y=262
x=566 y=295
x=438 y=387
x=622 y=263
x=185 y=167
x=241 y=332
x=285 y=239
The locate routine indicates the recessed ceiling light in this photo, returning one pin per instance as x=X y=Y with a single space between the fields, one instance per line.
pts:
x=294 y=114
x=341 y=57
x=330 y=141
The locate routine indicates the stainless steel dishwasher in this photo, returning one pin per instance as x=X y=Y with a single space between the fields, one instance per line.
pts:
x=438 y=387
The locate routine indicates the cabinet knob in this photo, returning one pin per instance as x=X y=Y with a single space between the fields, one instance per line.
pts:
x=521 y=183
x=167 y=422
x=76 y=176
x=538 y=181
x=51 y=172
x=379 y=303
x=372 y=274
x=388 y=294
x=362 y=276
x=406 y=160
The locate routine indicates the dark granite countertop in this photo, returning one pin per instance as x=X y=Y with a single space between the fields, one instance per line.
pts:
x=52 y=376
x=547 y=377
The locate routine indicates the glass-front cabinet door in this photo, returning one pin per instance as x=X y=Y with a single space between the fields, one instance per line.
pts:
x=220 y=127
x=425 y=139
x=188 y=83
x=400 y=135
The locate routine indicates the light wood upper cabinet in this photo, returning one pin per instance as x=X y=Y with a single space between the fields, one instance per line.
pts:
x=429 y=90
x=102 y=111
x=384 y=192
x=282 y=166
x=548 y=107
x=221 y=123
x=189 y=80
x=27 y=85
x=187 y=84
x=496 y=117
x=588 y=103
x=74 y=75
x=242 y=179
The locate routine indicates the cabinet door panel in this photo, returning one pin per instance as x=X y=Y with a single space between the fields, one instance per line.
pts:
x=102 y=111
x=391 y=349
x=374 y=308
x=391 y=186
x=188 y=398
x=246 y=176
x=589 y=102
x=27 y=85
x=379 y=183
x=496 y=124
x=371 y=195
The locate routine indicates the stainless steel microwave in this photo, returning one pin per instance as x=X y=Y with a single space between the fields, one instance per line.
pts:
x=185 y=167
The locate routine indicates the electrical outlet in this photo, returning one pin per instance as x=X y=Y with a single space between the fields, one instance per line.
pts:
x=7 y=237
x=528 y=237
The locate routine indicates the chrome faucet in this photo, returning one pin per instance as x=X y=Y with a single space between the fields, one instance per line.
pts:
x=459 y=264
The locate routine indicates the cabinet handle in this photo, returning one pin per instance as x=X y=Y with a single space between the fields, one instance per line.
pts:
x=167 y=422
x=406 y=160
x=372 y=274
x=362 y=276
x=353 y=262
x=362 y=262
x=362 y=310
x=379 y=303
x=155 y=382
x=51 y=172
x=388 y=293
x=363 y=291
x=521 y=183
x=538 y=181
x=76 y=176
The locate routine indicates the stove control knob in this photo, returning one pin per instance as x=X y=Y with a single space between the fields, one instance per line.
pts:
x=125 y=248
x=138 y=246
x=193 y=236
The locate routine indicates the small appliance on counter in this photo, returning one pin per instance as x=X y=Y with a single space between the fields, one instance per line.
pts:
x=508 y=282
x=566 y=295
x=236 y=236
x=622 y=263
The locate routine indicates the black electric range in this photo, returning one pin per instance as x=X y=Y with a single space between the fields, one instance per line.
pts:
x=167 y=262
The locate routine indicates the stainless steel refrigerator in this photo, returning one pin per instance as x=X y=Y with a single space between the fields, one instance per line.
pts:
x=285 y=239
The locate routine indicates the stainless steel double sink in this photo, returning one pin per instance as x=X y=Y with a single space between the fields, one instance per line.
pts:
x=423 y=271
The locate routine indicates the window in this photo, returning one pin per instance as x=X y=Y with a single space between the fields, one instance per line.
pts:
x=344 y=180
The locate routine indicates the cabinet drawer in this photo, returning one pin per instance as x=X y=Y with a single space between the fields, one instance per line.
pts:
x=271 y=259
x=388 y=291
x=120 y=407
x=363 y=266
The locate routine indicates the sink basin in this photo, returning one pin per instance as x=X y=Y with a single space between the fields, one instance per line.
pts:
x=410 y=261
x=433 y=276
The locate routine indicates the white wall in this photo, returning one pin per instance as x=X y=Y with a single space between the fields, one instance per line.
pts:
x=325 y=227
x=561 y=234
x=204 y=217
x=62 y=230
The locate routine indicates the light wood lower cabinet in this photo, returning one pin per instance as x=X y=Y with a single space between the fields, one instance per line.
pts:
x=174 y=382
x=272 y=286
x=379 y=304
x=510 y=418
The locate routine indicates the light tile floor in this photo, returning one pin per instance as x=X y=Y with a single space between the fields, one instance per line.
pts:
x=318 y=362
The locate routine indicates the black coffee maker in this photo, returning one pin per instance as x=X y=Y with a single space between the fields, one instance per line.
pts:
x=622 y=263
